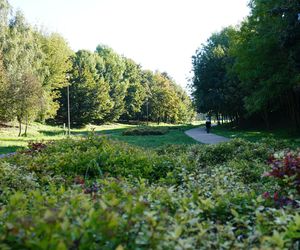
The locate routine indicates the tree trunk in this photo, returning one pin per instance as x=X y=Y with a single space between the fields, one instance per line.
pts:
x=26 y=126
x=266 y=118
x=20 y=126
x=218 y=119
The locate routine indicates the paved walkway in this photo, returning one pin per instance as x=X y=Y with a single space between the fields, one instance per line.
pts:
x=6 y=155
x=200 y=135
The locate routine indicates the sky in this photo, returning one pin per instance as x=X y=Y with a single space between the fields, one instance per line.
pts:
x=158 y=34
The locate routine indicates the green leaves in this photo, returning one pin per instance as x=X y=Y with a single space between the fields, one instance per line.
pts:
x=215 y=87
x=203 y=203
x=252 y=71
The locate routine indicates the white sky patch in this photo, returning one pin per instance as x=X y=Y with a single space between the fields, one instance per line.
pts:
x=159 y=34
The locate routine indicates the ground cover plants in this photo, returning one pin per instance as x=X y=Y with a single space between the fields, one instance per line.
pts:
x=98 y=193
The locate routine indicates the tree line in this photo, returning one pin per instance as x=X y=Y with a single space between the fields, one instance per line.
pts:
x=252 y=72
x=36 y=67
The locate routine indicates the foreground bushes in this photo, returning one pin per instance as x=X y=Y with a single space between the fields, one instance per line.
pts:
x=98 y=158
x=100 y=194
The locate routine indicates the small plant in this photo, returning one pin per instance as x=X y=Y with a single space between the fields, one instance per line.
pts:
x=286 y=170
x=35 y=147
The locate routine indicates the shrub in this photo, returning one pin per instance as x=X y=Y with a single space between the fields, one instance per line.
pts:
x=285 y=169
x=120 y=214
x=102 y=194
x=146 y=131
x=236 y=149
x=97 y=157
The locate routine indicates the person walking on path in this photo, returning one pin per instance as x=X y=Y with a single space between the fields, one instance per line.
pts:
x=208 y=124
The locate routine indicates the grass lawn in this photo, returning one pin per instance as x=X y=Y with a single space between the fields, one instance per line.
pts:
x=175 y=135
x=10 y=142
x=256 y=134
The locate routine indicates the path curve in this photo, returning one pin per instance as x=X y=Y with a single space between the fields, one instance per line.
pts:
x=7 y=155
x=200 y=135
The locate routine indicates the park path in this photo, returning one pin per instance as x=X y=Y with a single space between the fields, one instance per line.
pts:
x=6 y=155
x=200 y=135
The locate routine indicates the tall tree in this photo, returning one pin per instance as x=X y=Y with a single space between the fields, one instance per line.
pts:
x=5 y=100
x=26 y=93
x=136 y=93
x=215 y=86
x=89 y=93
x=113 y=74
x=56 y=64
x=22 y=57
x=266 y=61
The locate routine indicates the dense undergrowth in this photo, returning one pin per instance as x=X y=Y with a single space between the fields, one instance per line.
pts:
x=102 y=194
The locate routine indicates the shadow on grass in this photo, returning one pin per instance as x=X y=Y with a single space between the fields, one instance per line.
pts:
x=256 y=134
x=10 y=149
x=175 y=136
x=52 y=132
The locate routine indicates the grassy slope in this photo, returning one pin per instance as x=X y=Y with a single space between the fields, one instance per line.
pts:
x=10 y=142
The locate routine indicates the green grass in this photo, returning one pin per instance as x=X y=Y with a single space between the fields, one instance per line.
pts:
x=10 y=142
x=255 y=135
x=174 y=136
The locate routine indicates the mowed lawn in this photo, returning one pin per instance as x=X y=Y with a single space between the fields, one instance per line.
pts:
x=175 y=135
x=10 y=142
x=255 y=135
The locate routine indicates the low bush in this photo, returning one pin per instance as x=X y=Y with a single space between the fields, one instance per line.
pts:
x=102 y=194
x=285 y=168
x=98 y=157
x=143 y=131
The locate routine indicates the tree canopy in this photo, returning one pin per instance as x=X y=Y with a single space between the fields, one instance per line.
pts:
x=37 y=67
x=252 y=70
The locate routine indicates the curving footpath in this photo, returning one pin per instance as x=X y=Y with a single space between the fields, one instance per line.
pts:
x=200 y=135
x=6 y=155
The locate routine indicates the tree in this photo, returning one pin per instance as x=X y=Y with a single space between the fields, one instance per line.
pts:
x=22 y=58
x=56 y=64
x=113 y=70
x=266 y=59
x=26 y=94
x=89 y=93
x=136 y=93
x=163 y=100
x=5 y=100
x=215 y=86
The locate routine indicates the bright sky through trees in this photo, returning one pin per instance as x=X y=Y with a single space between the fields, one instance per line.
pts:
x=158 y=34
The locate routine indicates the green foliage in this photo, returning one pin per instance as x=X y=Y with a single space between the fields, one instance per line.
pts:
x=89 y=93
x=32 y=60
x=146 y=131
x=56 y=65
x=104 y=86
x=23 y=91
x=95 y=158
x=252 y=71
x=112 y=72
x=186 y=198
x=5 y=112
x=135 y=92
x=215 y=88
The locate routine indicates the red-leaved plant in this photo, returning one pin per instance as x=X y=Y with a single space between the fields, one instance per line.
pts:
x=34 y=147
x=286 y=169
